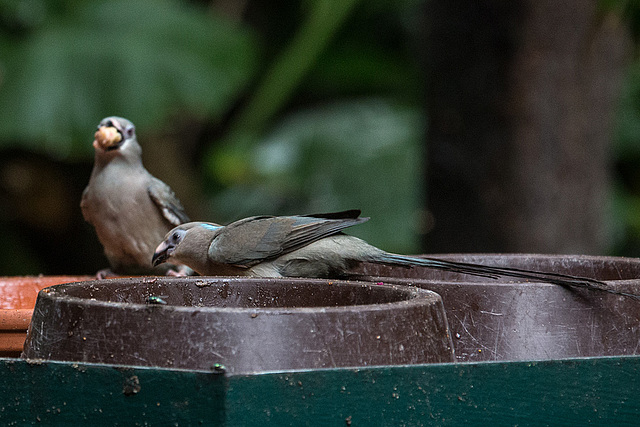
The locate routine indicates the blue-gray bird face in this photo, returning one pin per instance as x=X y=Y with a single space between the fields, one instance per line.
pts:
x=168 y=246
x=113 y=132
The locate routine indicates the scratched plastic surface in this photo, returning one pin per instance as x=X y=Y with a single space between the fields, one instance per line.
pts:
x=247 y=325
x=510 y=320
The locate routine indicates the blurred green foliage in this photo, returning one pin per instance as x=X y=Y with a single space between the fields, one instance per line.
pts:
x=626 y=149
x=280 y=107
x=67 y=63
x=362 y=153
x=283 y=107
x=627 y=160
x=629 y=10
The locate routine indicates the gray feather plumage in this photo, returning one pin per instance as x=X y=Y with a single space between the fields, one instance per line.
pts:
x=310 y=246
x=253 y=240
x=130 y=209
x=166 y=200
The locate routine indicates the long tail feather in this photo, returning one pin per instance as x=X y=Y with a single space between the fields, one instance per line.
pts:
x=497 y=272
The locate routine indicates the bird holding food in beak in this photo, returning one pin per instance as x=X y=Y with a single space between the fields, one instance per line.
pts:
x=130 y=209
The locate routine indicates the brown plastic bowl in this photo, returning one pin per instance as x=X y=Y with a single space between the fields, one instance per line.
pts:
x=245 y=324
x=509 y=319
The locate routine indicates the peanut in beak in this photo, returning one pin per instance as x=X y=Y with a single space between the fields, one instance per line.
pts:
x=106 y=137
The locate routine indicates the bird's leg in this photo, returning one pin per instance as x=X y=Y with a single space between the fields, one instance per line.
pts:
x=180 y=271
x=105 y=273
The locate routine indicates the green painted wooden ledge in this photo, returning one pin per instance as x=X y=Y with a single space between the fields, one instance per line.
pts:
x=598 y=391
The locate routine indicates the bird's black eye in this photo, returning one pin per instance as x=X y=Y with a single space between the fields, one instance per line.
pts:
x=175 y=237
x=108 y=123
x=129 y=131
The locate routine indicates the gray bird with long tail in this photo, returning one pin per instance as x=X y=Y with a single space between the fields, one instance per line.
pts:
x=130 y=210
x=310 y=246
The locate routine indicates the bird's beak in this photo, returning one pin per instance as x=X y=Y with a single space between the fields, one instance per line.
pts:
x=107 y=138
x=162 y=253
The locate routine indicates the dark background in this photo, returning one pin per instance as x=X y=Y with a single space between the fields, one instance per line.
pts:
x=500 y=126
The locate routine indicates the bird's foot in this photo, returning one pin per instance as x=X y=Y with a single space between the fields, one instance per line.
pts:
x=180 y=271
x=105 y=273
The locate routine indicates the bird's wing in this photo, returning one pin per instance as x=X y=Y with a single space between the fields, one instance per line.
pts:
x=252 y=240
x=167 y=202
x=84 y=205
x=349 y=214
x=307 y=229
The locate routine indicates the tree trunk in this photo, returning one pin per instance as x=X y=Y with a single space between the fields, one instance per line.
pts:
x=521 y=97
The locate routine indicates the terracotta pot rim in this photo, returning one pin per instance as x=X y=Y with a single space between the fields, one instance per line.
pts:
x=15 y=319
